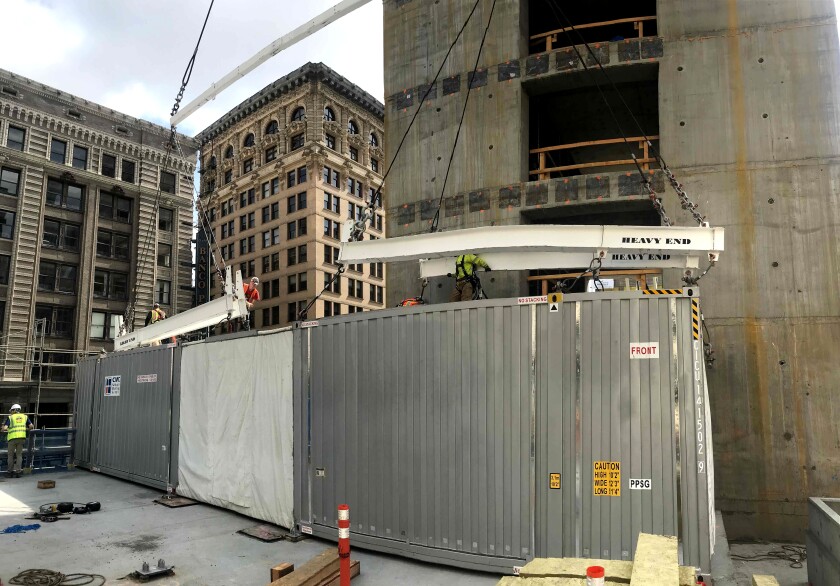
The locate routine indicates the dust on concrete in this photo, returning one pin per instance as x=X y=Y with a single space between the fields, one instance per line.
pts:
x=141 y=543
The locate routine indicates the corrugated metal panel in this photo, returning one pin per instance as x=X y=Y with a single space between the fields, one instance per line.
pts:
x=130 y=434
x=83 y=409
x=422 y=421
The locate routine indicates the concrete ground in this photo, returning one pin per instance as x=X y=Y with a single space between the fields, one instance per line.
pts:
x=744 y=570
x=201 y=541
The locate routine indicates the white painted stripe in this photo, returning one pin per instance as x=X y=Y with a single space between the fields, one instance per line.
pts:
x=343 y=514
x=344 y=533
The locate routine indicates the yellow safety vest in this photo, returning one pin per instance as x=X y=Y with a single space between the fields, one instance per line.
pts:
x=157 y=315
x=17 y=429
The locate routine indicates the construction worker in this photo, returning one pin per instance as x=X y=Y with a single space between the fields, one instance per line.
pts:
x=16 y=426
x=154 y=316
x=466 y=280
x=252 y=293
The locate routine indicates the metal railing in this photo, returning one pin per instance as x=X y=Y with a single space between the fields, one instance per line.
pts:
x=543 y=171
x=550 y=38
x=45 y=449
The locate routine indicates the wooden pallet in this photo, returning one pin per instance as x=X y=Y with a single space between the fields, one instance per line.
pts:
x=322 y=570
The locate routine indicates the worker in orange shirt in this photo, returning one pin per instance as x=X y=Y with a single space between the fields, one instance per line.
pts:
x=252 y=295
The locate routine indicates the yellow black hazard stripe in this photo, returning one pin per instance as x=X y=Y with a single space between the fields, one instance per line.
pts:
x=695 y=318
x=662 y=291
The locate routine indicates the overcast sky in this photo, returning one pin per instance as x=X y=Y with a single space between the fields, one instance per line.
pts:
x=130 y=55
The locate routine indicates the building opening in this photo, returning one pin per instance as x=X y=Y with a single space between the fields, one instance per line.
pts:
x=571 y=131
x=563 y=279
x=595 y=22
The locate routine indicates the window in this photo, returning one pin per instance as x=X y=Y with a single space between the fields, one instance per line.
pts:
x=299 y=114
x=290 y=179
x=212 y=163
x=275 y=261
x=301 y=227
x=275 y=235
x=374 y=165
x=272 y=128
x=112 y=245
x=301 y=200
x=265 y=189
x=58 y=152
x=332 y=177
x=249 y=140
x=165 y=217
x=330 y=141
x=354 y=154
x=104 y=326
x=16 y=138
x=354 y=288
x=332 y=229
x=164 y=255
x=243 y=223
x=227 y=207
x=374 y=141
x=128 y=168
x=297 y=142
x=330 y=254
x=5 y=263
x=379 y=222
x=354 y=309
x=275 y=210
x=376 y=294
x=228 y=176
x=229 y=152
x=61 y=235
x=9 y=181
x=376 y=270
x=61 y=194
x=57 y=277
x=291 y=204
x=351 y=210
x=331 y=308
x=59 y=320
x=265 y=264
x=167 y=182
x=224 y=231
x=109 y=165
x=251 y=220
x=352 y=128
x=291 y=230
x=7 y=224
x=248 y=165
x=230 y=249
x=266 y=239
x=271 y=289
x=230 y=227
x=80 y=157
x=243 y=200
x=329 y=115
x=115 y=207
x=292 y=312
x=275 y=186
x=265 y=214
x=163 y=292
x=332 y=285
x=291 y=256
x=301 y=175
x=302 y=253
x=372 y=194
x=110 y=285
x=292 y=284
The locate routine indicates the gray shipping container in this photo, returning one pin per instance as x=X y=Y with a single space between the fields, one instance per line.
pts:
x=127 y=426
x=482 y=434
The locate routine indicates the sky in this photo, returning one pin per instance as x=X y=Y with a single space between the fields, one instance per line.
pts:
x=131 y=55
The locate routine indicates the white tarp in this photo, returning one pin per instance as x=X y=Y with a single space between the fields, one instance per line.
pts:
x=235 y=435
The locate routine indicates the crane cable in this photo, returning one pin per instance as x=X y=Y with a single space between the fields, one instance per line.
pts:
x=129 y=315
x=436 y=219
x=360 y=225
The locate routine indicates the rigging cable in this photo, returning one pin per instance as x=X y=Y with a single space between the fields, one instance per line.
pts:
x=470 y=79
x=128 y=317
x=359 y=227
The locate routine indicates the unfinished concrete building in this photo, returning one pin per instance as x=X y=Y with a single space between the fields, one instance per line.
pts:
x=83 y=232
x=280 y=173
x=741 y=98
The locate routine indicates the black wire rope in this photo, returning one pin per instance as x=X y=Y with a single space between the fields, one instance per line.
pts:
x=375 y=199
x=40 y=577
x=470 y=79
x=794 y=555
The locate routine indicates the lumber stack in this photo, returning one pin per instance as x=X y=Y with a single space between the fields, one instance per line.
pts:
x=322 y=570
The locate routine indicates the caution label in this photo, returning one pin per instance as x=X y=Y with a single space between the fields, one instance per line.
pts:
x=606 y=479
x=532 y=300
x=554 y=480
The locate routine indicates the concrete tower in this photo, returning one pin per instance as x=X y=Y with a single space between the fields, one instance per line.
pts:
x=742 y=99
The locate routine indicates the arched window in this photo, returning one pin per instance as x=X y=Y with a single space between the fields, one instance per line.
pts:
x=329 y=115
x=212 y=163
x=229 y=152
x=373 y=140
x=272 y=128
x=249 y=140
x=352 y=128
x=298 y=114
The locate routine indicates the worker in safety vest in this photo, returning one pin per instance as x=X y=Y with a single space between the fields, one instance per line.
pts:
x=466 y=266
x=252 y=293
x=16 y=426
x=154 y=316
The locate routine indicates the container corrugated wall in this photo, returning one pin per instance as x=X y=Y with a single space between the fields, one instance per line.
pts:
x=422 y=422
x=128 y=435
x=442 y=426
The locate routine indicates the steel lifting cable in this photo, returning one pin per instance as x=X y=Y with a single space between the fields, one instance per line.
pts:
x=360 y=225
x=685 y=201
x=128 y=318
x=436 y=219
